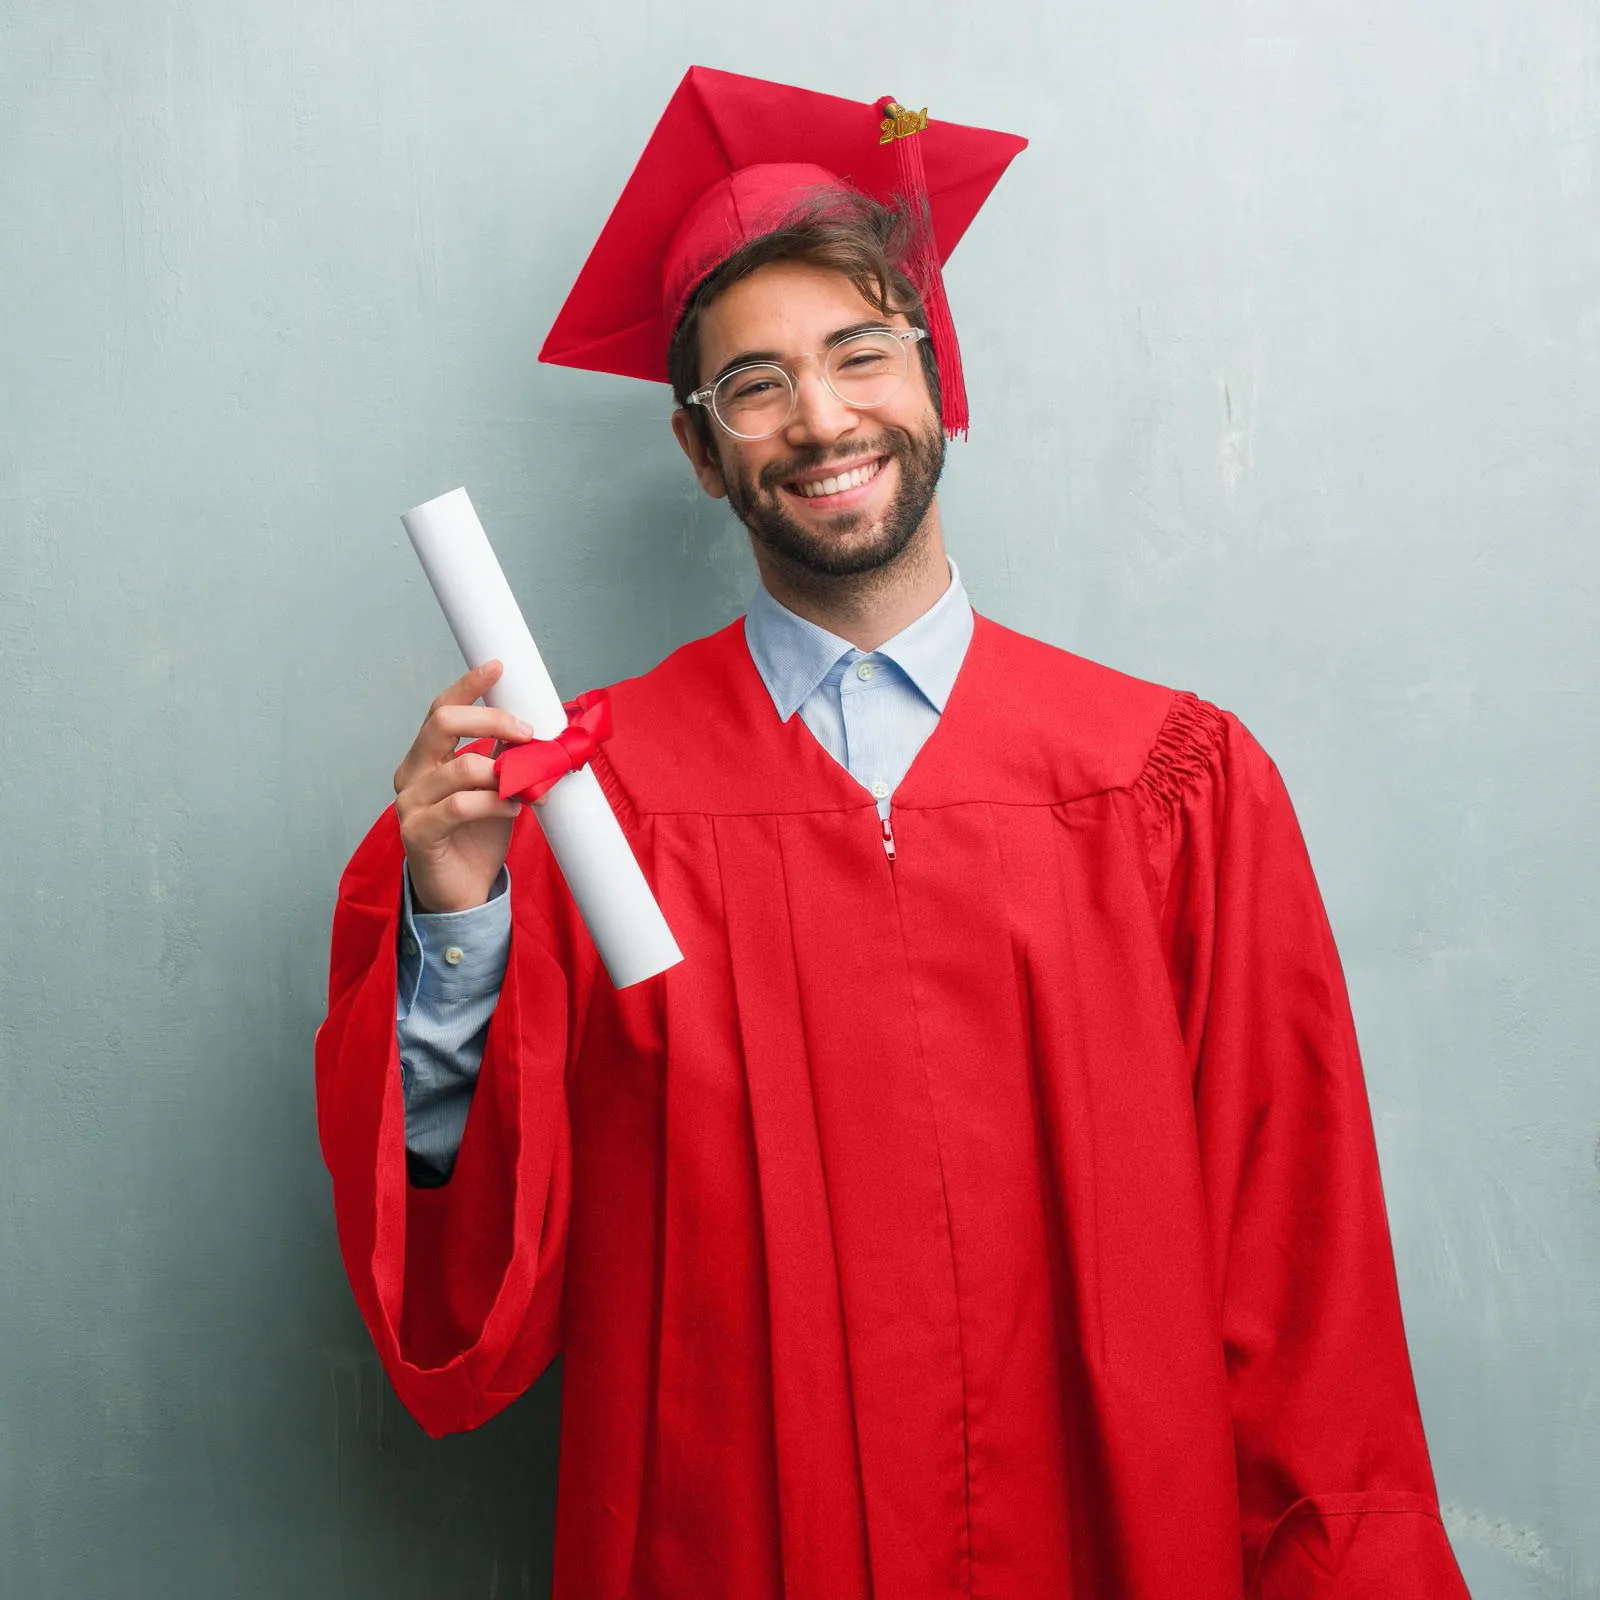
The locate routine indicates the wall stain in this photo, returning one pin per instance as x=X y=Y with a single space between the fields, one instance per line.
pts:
x=1523 y=1545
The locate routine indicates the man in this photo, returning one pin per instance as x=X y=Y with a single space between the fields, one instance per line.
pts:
x=987 y=1205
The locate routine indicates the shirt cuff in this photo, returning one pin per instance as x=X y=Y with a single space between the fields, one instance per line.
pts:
x=453 y=955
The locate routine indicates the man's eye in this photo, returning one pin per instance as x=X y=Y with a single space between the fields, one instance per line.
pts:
x=865 y=361
x=754 y=389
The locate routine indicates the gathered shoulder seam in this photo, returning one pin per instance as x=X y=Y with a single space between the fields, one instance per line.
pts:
x=620 y=800
x=1183 y=748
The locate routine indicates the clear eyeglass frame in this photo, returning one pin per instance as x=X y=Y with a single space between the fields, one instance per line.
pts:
x=905 y=337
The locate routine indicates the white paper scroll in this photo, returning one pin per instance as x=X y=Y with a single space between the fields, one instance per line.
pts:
x=611 y=893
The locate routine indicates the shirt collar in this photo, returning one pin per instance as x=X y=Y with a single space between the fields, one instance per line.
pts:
x=793 y=655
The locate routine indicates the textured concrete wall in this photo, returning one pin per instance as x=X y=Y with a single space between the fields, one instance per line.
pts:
x=1284 y=348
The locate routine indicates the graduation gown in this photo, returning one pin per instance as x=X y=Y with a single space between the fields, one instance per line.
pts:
x=1000 y=1219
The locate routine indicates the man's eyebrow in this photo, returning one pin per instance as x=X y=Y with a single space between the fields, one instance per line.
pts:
x=744 y=358
x=747 y=358
x=876 y=325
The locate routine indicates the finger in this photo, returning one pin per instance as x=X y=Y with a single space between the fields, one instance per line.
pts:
x=429 y=824
x=430 y=744
x=433 y=784
x=477 y=722
x=467 y=688
x=446 y=725
x=470 y=685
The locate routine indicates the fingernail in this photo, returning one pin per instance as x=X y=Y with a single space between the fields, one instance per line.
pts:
x=523 y=730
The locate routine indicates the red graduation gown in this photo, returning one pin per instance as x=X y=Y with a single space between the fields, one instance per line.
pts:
x=1001 y=1220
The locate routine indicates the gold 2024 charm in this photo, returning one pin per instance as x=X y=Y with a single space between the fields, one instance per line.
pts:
x=898 y=123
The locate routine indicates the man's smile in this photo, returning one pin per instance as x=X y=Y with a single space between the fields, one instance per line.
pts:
x=837 y=486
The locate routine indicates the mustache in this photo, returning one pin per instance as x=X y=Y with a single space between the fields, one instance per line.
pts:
x=773 y=477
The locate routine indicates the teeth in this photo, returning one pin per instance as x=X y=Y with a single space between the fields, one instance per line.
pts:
x=848 y=480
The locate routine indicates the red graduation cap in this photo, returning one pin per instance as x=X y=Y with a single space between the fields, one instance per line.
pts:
x=729 y=159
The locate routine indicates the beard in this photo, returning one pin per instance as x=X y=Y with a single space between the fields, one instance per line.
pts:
x=832 y=549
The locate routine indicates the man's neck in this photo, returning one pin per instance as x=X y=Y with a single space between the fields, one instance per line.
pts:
x=867 y=608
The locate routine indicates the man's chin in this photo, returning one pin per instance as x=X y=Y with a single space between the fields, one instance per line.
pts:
x=841 y=545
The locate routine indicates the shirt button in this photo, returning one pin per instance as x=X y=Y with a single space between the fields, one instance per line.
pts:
x=863 y=670
x=880 y=790
x=411 y=947
x=453 y=955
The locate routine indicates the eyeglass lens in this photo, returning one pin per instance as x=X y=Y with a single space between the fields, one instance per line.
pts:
x=863 y=370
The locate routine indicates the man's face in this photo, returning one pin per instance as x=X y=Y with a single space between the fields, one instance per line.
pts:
x=786 y=309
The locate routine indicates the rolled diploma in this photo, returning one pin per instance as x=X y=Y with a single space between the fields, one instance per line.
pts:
x=611 y=893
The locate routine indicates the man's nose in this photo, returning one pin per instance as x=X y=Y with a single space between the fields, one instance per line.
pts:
x=820 y=416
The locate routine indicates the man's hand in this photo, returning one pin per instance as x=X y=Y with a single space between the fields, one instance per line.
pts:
x=453 y=823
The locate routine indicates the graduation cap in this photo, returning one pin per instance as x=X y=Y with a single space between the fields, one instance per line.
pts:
x=731 y=158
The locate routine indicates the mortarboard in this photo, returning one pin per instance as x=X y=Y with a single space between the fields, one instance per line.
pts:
x=729 y=160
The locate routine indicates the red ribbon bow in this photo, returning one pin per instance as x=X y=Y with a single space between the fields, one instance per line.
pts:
x=527 y=770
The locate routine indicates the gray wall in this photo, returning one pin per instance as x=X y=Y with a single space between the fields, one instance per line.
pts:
x=1284 y=348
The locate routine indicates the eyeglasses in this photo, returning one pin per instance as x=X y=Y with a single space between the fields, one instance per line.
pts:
x=862 y=370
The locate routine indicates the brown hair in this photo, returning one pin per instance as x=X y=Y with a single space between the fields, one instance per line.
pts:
x=850 y=233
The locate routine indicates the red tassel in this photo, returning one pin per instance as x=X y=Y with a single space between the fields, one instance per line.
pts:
x=926 y=274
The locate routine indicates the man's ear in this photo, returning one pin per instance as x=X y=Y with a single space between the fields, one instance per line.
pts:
x=701 y=457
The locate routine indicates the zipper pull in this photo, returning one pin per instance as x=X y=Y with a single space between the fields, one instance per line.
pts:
x=888 y=839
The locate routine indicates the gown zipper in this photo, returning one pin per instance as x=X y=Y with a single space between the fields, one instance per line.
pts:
x=888 y=840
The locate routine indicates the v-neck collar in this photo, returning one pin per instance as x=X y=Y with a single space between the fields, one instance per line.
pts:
x=794 y=655
x=816 y=772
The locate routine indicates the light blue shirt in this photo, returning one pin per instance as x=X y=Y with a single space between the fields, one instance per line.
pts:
x=870 y=710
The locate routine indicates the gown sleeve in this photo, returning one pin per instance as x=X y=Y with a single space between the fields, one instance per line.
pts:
x=460 y=1285
x=1336 y=1492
